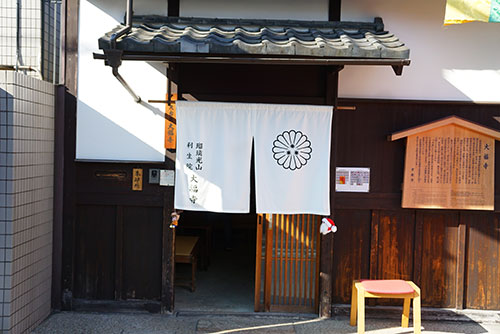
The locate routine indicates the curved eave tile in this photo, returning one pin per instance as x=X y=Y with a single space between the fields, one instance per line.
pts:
x=254 y=40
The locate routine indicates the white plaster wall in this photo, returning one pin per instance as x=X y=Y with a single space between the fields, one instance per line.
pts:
x=459 y=62
x=263 y=9
x=448 y=63
x=110 y=125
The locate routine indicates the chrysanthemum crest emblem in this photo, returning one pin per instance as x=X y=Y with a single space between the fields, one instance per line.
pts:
x=292 y=149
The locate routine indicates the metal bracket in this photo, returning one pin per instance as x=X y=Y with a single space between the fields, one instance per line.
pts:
x=398 y=69
x=113 y=57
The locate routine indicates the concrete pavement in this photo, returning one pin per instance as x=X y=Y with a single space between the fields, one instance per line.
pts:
x=183 y=323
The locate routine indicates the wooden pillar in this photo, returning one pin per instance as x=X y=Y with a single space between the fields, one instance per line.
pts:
x=67 y=130
x=326 y=261
x=168 y=257
x=57 y=229
x=268 y=225
x=168 y=234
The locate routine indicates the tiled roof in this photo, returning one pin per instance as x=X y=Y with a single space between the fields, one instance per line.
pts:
x=155 y=34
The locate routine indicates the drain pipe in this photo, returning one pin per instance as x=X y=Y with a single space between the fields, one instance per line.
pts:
x=128 y=24
x=18 y=34
x=117 y=75
x=114 y=55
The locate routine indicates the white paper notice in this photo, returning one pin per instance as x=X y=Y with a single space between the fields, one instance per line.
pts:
x=352 y=179
x=167 y=177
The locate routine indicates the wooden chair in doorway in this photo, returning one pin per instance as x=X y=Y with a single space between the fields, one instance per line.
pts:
x=406 y=290
x=186 y=251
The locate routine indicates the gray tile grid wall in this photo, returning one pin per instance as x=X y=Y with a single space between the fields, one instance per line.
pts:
x=8 y=32
x=30 y=29
x=26 y=200
x=50 y=47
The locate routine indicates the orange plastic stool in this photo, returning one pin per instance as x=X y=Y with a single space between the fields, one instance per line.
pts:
x=385 y=289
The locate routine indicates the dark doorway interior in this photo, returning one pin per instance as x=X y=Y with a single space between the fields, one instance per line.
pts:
x=226 y=263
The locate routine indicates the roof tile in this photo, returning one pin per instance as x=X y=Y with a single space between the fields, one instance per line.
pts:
x=259 y=37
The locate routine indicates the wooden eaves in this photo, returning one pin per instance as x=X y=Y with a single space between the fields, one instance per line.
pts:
x=443 y=122
x=397 y=64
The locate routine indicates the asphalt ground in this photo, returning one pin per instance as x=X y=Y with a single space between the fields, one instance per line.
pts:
x=181 y=323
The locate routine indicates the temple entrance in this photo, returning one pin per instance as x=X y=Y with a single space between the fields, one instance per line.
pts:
x=249 y=262
x=225 y=261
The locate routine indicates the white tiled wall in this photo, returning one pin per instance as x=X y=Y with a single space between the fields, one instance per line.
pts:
x=26 y=192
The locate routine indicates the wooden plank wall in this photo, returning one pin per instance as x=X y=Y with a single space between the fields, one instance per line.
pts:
x=118 y=233
x=482 y=260
x=453 y=255
x=95 y=257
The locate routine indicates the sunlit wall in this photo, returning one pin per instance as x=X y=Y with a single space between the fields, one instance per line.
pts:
x=459 y=62
x=447 y=63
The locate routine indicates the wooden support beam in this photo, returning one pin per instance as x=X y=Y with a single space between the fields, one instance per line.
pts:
x=173 y=8
x=325 y=276
x=256 y=60
x=269 y=245
x=69 y=202
x=351 y=108
x=334 y=7
x=258 y=263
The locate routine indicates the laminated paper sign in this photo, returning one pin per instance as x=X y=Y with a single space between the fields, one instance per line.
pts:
x=450 y=166
x=352 y=179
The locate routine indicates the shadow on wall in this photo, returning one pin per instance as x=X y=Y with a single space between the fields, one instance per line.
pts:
x=117 y=9
x=109 y=136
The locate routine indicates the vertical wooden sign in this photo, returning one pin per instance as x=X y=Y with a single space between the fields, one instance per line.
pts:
x=137 y=179
x=170 y=128
x=450 y=164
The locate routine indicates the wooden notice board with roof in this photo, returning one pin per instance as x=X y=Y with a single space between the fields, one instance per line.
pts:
x=449 y=165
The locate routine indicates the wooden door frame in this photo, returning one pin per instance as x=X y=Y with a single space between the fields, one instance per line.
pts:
x=303 y=294
x=326 y=255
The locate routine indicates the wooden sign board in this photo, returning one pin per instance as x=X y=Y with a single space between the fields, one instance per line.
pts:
x=170 y=128
x=137 y=179
x=449 y=167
